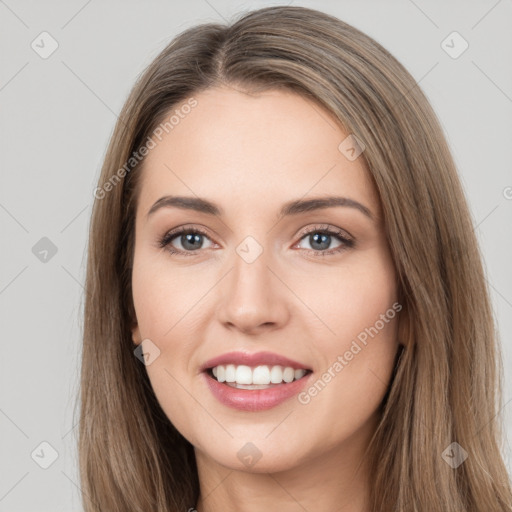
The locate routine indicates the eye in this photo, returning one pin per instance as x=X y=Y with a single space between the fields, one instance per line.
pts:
x=187 y=240
x=320 y=238
x=190 y=239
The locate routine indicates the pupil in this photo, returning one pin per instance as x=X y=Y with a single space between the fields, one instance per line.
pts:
x=325 y=239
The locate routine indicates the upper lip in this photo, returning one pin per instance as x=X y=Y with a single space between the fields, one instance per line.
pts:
x=256 y=359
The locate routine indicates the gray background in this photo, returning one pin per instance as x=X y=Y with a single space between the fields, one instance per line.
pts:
x=56 y=117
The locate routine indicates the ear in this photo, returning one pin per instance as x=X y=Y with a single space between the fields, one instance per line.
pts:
x=136 y=337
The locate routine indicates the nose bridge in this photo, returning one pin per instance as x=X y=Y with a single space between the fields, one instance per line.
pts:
x=252 y=295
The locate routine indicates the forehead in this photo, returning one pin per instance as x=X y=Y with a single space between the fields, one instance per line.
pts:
x=274 y=145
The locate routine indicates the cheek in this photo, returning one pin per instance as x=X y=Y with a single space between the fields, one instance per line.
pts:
x=354 y=381
x=163 y=297
x=162 y=300
x=351 y=297
x=166 y=301
x=358 y=342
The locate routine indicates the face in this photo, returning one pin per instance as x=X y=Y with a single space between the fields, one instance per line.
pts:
x=298 y=304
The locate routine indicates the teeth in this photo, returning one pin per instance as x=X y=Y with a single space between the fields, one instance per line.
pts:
x=230 y=373
x=260 y=375
x=298 y=374
x=243 y=375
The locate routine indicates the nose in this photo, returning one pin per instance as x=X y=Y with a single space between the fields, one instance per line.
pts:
x=253 y=297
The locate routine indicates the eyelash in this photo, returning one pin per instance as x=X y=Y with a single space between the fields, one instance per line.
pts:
x=346 y=242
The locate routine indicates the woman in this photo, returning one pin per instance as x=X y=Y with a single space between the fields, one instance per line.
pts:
x=286 y=307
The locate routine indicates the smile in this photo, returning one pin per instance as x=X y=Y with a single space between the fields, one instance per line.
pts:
x=254 y=382
x=259 y=377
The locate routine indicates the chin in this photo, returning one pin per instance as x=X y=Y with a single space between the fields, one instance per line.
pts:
x=255 y=456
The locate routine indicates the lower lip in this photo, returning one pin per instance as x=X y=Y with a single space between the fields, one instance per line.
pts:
x=254 y=399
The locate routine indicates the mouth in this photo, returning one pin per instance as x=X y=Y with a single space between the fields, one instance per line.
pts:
x=256 y=378
x=254 y=389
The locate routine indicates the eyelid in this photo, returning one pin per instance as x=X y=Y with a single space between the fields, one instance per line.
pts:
x=347 y=240
x=171 y=234
x=324 y=227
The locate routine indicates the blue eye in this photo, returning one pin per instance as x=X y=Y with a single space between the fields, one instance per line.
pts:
x=190 y=239
x=320 y=239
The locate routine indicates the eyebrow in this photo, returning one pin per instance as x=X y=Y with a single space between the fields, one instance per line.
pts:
x=294 y=207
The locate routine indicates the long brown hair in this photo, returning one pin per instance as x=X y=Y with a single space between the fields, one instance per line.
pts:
x=447 y=384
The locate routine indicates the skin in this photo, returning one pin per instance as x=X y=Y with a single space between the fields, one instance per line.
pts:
x=250 y=154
